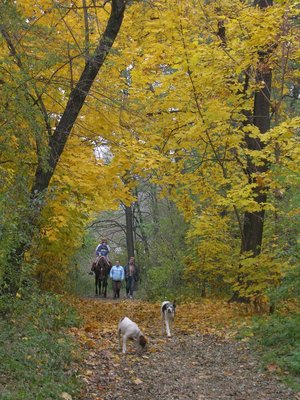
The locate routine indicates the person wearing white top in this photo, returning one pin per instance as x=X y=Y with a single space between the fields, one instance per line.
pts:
x=117 y=276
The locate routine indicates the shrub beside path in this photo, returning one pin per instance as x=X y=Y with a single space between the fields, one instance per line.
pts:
x=201 y=361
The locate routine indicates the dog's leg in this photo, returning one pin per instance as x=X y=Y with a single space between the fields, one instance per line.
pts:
x=124 y=343
x=167 y=326
x=162 y=323
x=171 y=325
x=119 y=338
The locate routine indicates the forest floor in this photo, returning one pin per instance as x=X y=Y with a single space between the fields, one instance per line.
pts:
x=202 y=361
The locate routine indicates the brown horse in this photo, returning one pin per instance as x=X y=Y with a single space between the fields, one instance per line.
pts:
x=101 y=268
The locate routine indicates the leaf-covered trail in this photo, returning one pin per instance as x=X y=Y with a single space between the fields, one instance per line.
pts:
x=200 y=362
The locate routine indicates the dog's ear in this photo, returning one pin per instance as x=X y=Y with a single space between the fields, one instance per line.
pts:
x=174 y=303
x=142 y=341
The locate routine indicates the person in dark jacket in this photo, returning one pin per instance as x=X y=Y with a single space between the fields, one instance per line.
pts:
x=131 y=277
x=102 y=250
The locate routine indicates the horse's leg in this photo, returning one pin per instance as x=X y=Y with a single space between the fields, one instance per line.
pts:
x=96 y=285
x=101 y=284
x=100 y=287
x=104 y=287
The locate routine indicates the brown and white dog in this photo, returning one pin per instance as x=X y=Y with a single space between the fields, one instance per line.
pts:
x=167 y=316
x=129 y=330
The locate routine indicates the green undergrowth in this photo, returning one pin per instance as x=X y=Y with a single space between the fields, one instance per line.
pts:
x=37 y=357
x=277 y=338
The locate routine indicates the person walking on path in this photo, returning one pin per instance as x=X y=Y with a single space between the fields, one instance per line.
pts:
x=117 y=276
x=131 y=277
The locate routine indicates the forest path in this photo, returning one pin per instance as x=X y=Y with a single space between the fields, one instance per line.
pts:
x=201 y=361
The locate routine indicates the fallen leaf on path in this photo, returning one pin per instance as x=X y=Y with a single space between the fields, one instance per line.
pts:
x=137 y=381
x=66 y=396
x=89 y=372
x=273 y=368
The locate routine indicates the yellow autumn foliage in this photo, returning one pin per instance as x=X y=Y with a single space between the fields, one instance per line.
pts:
x=169 y=105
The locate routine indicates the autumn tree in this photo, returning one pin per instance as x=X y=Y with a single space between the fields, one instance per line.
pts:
x=174 y=107
x=50 y=146
x=253 y=223
x=200 y=69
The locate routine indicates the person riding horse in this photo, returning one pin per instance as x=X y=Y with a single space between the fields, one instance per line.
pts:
x=101 y=267
x=103 y=249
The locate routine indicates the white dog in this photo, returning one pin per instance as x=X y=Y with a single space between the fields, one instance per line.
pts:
x=167 y=316
x=130 y=330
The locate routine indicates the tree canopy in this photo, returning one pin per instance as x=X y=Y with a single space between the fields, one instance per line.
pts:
x=198 y=98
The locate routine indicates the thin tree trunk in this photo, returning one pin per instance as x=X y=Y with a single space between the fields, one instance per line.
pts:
x=86 y=31
x=129 y=231
x=140 y=225
x=155 y=211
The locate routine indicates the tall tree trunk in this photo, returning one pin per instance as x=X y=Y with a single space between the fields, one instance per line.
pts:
x=129 y=231
x=138 y=217
x=58 y=140
x=254 y=221
x=253 y=224
x=155 y=210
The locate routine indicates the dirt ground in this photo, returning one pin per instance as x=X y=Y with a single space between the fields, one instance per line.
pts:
x=194 y=364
